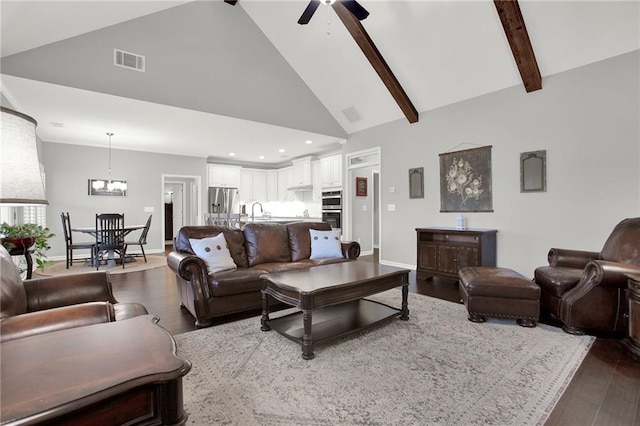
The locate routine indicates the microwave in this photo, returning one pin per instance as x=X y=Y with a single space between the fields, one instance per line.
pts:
x=332 y=200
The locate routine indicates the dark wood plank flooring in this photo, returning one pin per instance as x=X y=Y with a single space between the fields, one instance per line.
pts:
x=604 y=391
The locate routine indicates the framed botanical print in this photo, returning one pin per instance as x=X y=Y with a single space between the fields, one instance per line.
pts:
x=465 y=181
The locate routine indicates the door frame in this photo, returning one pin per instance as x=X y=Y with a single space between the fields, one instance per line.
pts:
x=347 y=217
x=169 y=178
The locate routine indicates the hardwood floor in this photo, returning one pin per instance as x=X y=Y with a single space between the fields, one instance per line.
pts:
x=604 y=391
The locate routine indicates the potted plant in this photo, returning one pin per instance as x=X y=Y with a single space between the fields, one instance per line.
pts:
x=22 y=237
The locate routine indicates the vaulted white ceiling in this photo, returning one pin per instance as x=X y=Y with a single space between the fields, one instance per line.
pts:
x=249 y=79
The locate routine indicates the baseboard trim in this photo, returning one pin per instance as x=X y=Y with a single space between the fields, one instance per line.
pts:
x=398 y=264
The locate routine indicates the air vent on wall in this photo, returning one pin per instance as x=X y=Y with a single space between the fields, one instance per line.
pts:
x=128 y=60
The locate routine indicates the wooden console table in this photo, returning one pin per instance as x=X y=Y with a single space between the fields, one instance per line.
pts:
x=632 y=341
x=443 y=251
x=123 y=372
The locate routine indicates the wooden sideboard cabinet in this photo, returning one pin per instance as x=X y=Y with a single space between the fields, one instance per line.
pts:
x=632 y=341
x=443 y=251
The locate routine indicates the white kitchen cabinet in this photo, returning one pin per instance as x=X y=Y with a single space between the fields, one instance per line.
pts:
x=253 y=185
x=272 y=185
x=223 y=175
x=259 y=185
x=331 y=171
x=301 y=172
x=285 y=181
x=316 y=194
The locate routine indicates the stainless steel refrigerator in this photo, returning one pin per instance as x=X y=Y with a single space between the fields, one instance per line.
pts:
x=221 y=205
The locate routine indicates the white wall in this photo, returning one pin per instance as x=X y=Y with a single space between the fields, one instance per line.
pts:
x=588 y=121
x=69 y=167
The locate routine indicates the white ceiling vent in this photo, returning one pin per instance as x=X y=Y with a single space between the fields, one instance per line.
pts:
x=128 y=60
x=352 y=114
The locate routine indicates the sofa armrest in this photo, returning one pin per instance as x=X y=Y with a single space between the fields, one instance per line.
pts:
x=610 y=274
x=54 y=292
x=350 y=249
x=33 y=323
x=571 y=258
x=193 y=272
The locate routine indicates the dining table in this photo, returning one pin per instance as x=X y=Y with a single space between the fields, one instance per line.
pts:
x=91 y=230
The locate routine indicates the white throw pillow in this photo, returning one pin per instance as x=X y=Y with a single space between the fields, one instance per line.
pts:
x=325 y=244
x=215 y=252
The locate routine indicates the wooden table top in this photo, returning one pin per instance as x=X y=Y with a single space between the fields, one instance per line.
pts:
x=55 y=373
x=326 y=277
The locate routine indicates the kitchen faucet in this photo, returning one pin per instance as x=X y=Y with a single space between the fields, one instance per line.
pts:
x=253 y=215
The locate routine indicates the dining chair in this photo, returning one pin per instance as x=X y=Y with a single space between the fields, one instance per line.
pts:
x=141 y=241
x=109 y=237
x=68 y=240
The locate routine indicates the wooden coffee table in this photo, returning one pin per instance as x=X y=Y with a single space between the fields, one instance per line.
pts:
x=123 y=372
x=331 y=300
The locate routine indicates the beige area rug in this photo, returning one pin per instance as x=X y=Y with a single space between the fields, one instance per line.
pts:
x=435 y=369
x=59 y=268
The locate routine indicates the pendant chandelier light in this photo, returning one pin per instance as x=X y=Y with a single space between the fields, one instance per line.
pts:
x=112 y=186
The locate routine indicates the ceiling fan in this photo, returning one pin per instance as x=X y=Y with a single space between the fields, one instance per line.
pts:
x=352 y=5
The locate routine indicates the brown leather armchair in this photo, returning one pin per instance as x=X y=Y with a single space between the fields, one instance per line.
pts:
x=586 y=290
x=42 y=305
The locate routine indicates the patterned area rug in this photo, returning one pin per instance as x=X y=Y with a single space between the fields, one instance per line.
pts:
x=79 y=266
x=438 y=368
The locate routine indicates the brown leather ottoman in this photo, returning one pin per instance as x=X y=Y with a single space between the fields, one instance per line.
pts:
x=499 y=292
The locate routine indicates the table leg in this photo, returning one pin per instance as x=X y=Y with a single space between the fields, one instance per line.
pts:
x=404 y=316
x=307 y=342
x=264 y=321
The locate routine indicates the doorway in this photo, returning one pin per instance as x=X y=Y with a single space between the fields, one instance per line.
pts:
x=362 y=214
x=182 y=201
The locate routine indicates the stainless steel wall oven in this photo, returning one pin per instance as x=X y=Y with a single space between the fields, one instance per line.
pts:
x=332 y=208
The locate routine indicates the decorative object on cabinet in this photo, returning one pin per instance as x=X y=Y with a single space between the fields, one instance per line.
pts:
x=361 y=187
x=465 y=180
x=416 y=182
x=533 y=171
x=632 y=341
x=444 y=251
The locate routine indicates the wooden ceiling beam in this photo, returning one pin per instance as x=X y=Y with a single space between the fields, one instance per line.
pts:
x=518 y=37
x=374 y=56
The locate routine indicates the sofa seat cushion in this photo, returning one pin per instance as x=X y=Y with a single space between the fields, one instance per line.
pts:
x=266 y=242
x=274 y=267
x=557 y=280
x=241 y=280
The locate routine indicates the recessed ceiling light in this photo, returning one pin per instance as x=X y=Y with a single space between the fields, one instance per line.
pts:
x=232 y=154
x=281 y=150
x=309 y=142
x=261 y=157
x=56 y=124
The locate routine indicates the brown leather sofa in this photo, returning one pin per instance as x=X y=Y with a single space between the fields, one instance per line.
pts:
x=48 y=304
x=257 y=249
x=586 y=290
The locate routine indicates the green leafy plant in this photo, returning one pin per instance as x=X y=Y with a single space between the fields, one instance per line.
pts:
x=40 y=237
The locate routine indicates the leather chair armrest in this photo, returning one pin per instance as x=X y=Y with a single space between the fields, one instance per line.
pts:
x=54 y=292
x=350 y=249
x=193 y=270
x=33 y=323
x=610 y=274
x=571 y=258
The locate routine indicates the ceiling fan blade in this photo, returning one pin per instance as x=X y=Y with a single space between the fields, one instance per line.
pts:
x=308 y=12
x=354 y=7
x=231 y=2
